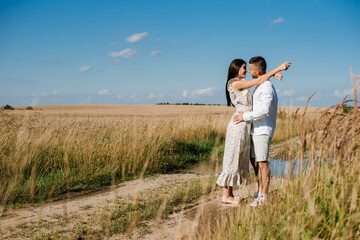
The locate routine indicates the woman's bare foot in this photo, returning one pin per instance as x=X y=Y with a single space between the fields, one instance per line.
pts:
x=227 y=200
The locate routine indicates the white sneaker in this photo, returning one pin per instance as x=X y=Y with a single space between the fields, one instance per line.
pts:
x=259 y=201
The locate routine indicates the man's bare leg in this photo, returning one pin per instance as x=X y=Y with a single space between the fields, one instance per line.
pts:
x=264 y=172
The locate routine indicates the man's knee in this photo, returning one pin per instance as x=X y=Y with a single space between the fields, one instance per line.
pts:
x=263 y=165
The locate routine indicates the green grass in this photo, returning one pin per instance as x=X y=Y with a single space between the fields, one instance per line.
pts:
x=61 y=177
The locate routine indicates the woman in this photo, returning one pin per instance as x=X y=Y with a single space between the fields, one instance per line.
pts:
x=237 y=143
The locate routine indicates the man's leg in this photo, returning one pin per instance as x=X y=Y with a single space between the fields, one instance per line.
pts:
x=261 y=146
x=255 y=165
x=265 y=177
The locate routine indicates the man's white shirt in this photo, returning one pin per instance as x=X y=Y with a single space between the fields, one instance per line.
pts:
x=264 y=112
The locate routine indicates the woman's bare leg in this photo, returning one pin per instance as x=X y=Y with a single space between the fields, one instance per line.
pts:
x=228 y=195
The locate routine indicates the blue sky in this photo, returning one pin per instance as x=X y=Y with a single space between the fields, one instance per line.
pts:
x=144 y=52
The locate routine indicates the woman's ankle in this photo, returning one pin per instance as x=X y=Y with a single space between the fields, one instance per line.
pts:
x=225 y=198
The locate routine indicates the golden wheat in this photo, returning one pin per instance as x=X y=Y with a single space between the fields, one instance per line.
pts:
x=47 y=151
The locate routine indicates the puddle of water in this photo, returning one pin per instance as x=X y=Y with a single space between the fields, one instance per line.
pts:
x=277 y=167
x=281 y=168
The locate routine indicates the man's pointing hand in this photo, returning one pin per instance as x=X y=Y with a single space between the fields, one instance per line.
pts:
x=238 y=118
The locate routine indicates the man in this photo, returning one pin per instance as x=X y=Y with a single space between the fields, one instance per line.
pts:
x=263 y=117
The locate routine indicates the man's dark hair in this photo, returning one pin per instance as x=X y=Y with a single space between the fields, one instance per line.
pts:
x=259 y=63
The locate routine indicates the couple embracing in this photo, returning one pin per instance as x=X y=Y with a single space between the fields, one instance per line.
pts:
x=251 y=128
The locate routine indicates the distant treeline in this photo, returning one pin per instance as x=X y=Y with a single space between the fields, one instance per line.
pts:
x=200 y=104
x=8 y=107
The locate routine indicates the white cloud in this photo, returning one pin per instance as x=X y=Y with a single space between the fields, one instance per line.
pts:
x=35 y=101
x=84 y=68
x=199 y=92
x=276 y=21
x=203 y=92
x=302 y=98
x=286 y=93
x=137 y=37
x=155 y=53
x=177 y=40
x=154 y=96
x=343 y=93
x=134 y=98
x=36 y=97
x=40 y=95
x=317 y=96
x=279 y=20
x=104 y=92
x=126 y=53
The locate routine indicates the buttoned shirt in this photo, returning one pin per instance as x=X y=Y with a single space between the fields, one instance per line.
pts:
x=264 y=112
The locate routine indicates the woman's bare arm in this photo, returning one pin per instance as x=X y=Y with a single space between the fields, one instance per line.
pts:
x=240 y=85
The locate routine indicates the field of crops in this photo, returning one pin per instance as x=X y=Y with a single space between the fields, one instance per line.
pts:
x=53 y=150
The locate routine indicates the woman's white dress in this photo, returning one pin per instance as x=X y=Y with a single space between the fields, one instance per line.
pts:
x=235 y=169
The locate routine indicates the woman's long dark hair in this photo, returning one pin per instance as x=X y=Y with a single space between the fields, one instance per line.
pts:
x=234 y=67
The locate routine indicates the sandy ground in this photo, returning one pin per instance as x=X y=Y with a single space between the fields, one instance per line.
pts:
x=74 y=208
x=30 y=221
x=209 y=210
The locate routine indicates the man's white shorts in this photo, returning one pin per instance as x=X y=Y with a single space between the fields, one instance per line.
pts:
x=260 y=145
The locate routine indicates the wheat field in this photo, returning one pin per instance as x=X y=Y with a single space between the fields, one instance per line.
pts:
x=53 y=150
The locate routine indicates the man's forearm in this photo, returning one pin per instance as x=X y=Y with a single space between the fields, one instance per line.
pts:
x=255 y=115
x=262 y=108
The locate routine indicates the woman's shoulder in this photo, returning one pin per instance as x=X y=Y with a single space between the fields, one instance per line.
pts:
x=237 y=79
x=234 y=80
x=231 y=81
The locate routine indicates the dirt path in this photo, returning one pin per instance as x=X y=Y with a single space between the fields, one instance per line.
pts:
x=190 y=221
x=15 y=222
x=67 y=215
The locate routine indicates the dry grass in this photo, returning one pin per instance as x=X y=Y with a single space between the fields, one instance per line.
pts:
x=50 y=152
x=323 y=202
